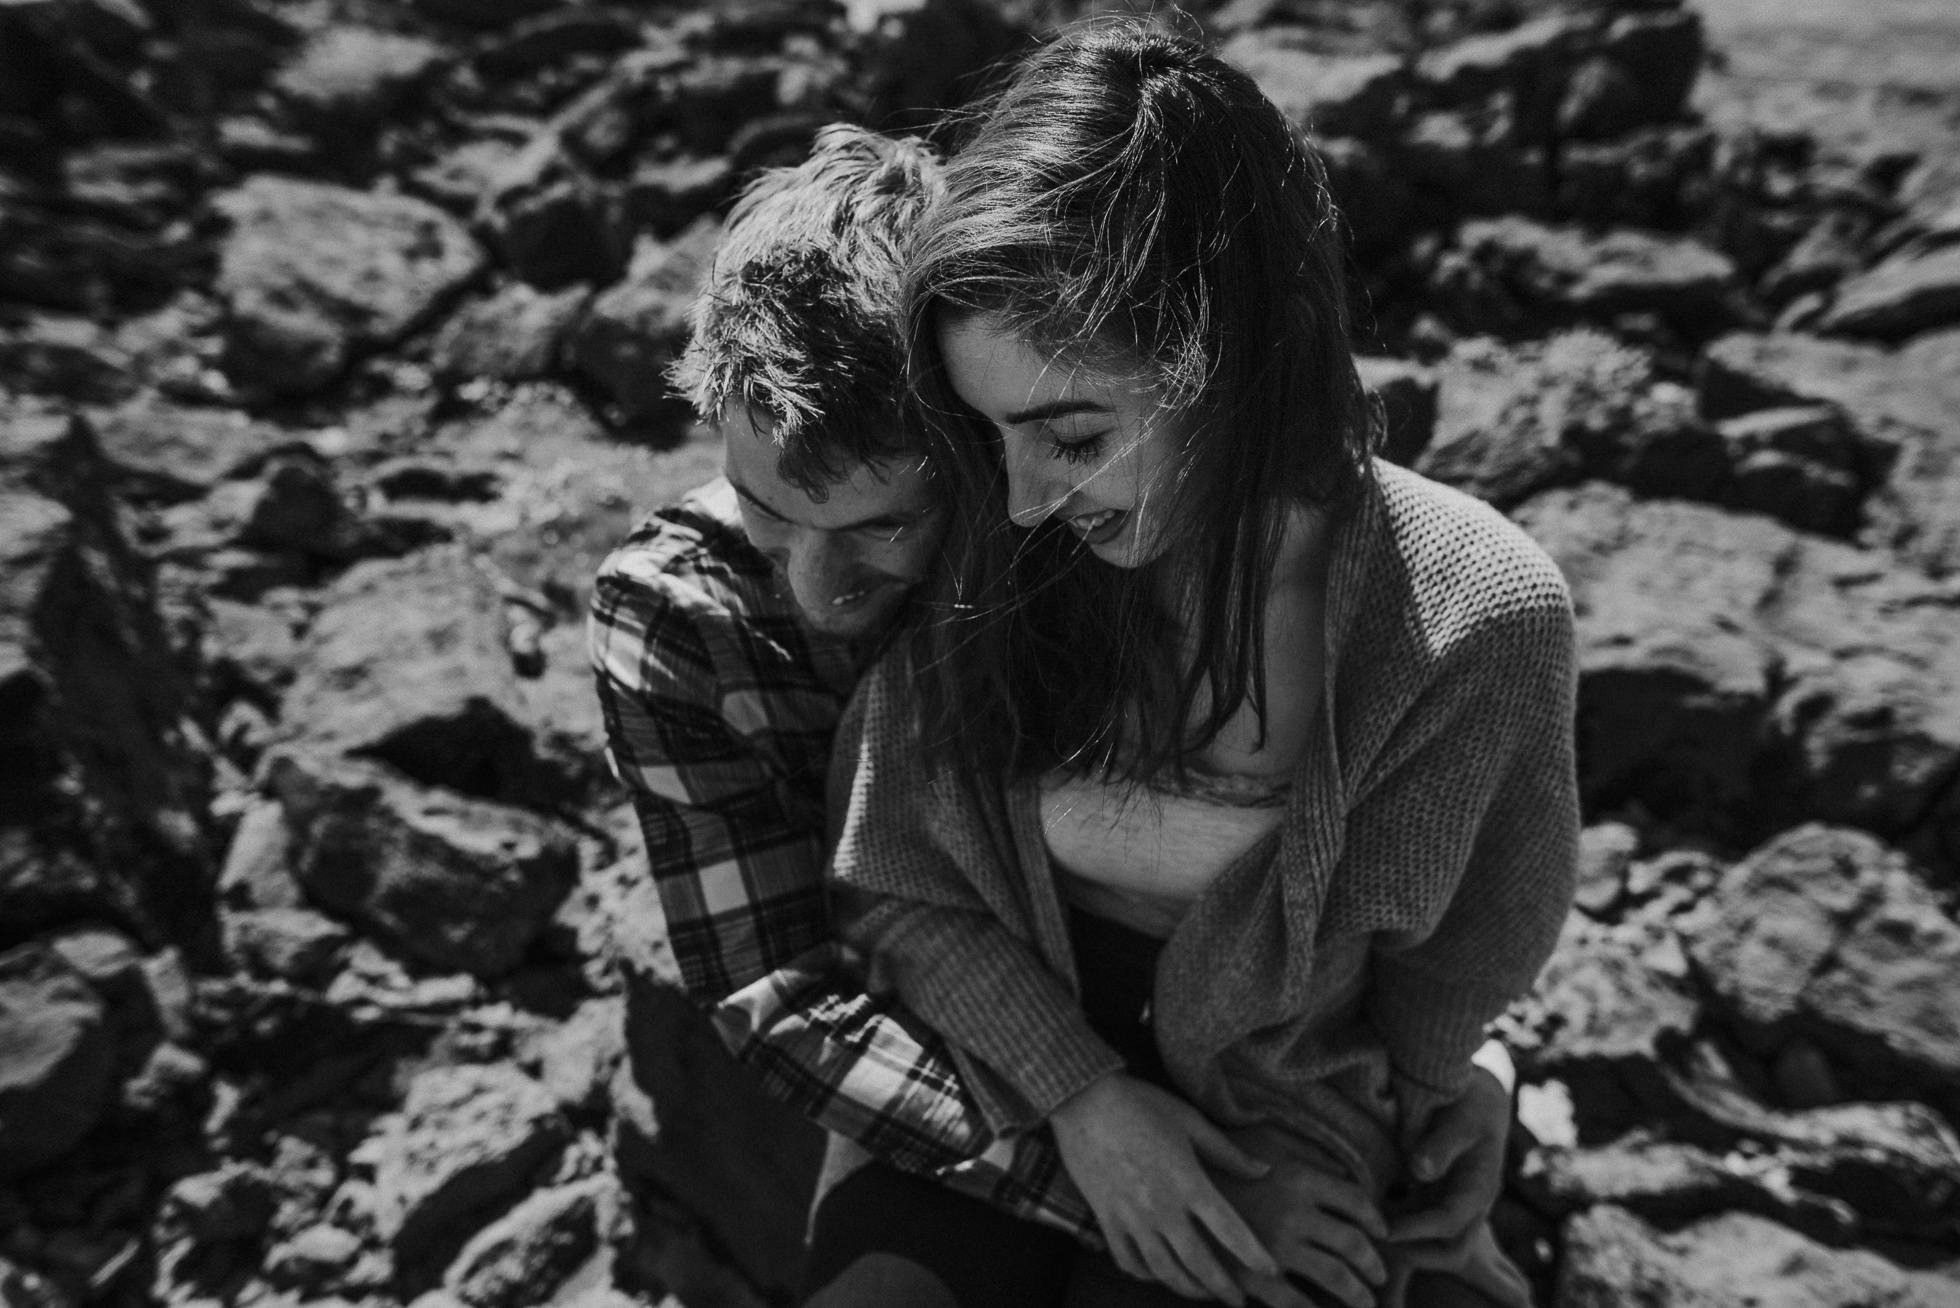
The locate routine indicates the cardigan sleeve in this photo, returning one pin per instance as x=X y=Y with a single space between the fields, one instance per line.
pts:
x=927 y=886
x=1482 y=800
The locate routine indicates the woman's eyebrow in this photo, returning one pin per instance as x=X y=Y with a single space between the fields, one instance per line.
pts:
x=1053 y=409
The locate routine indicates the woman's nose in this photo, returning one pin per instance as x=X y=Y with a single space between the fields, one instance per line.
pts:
x=1032 y=493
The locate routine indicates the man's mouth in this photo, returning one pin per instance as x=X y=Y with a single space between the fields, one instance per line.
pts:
x=1099 y=528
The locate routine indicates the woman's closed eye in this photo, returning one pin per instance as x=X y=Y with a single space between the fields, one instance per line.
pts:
x=1081 y=450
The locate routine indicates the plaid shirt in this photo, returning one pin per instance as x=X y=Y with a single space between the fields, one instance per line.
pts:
x=720 y=706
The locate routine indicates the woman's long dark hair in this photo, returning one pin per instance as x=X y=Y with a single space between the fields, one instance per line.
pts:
x=1127 y=195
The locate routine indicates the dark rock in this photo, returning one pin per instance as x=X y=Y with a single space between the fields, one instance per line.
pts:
x=1408 y=394
x=1470 y=158
x=459 y=883
x=1643 y=73
x=1612 y=1258
x=315 y=275
x=1901 y=297
x=1800 y=464
x=487 y=14
x=664 y=195
x=1571 y=271
x=67 y=358
x=930 y=54
x=1828 y=933
x=524 y=1256
x=1652 y=178
x=164 y=451
x=515 y=334
x=1609 y=1008
x=1903 y=405
x=1525 y=62
x=632 y=333
x=1514 y=420
x=465 y=1138
x=1659 y=1180
x=349 y=79
x=1328 y=95
x=294 y=944
x=549 y=220
x=408 y=661
x=692 y=1124
x=1606 y=851
x=100 y=747
x=60 y=1058
x=1675 y=683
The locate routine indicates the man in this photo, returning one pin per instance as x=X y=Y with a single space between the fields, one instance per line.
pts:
x=727 y=635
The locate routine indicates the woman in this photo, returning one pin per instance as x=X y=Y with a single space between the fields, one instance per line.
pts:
x=1237 y=771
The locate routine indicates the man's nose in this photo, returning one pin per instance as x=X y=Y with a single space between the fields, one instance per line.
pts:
x=818 y=570
x=1032 y=493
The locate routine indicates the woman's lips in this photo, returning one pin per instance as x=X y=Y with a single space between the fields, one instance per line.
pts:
x=1101 y=527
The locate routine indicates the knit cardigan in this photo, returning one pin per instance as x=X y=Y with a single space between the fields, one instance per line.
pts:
x=1337 y=977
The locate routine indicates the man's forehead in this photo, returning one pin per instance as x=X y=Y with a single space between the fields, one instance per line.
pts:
x=864 y=490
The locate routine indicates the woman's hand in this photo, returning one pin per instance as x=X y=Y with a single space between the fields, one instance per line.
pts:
x=1321 y=1227
x=1458 y=1166
x=1137 y=1153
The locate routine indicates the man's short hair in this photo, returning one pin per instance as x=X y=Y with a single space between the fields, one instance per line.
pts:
x=798 y=321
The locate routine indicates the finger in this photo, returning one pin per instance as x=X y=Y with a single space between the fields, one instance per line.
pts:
x=1275 y=1292
x=1165 y=1267
x=1218 y=1149
x=1353 y=1248
x=1203 y=1266
x=1446 y=1219
x=1230 y=1230
x=1346 y=1200
x=1129 y=1261
x=1336 y=1278
x=1448 y=1139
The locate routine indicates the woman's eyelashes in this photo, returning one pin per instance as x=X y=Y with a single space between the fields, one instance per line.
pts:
x=1082 y=450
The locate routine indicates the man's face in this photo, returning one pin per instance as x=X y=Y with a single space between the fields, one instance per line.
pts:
x=849 y=560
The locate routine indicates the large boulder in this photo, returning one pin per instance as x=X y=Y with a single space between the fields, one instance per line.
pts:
x=1904 y=406
x=631 y=334
x=458 y=883
x=1675 y=678
x=314 y=275
x=410 y=661
x=1568 y=272
x=1512 y=420
x=522 y=1258
x=1827 y=934
x=1740 y=671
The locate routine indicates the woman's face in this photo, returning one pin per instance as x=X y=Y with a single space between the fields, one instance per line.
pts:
x=1095 y=447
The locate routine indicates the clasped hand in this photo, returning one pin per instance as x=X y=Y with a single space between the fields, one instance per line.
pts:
x=1139 y=1155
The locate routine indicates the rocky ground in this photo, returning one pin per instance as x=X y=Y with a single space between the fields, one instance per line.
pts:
x=330 y=343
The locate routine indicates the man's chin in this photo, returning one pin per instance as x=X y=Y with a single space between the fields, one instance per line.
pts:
x=857 y=622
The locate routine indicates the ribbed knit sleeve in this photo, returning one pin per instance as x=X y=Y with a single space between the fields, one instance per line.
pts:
x=1482 y=791
x=926 y=885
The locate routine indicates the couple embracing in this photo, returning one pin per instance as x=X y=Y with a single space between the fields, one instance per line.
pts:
x=1077 y=773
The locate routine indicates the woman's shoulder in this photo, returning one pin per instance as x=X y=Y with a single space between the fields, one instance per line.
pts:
x=1458 y=563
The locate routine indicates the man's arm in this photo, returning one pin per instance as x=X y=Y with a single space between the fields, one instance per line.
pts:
x=735 y=849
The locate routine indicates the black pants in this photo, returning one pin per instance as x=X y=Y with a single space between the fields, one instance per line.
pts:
x=884 y=1239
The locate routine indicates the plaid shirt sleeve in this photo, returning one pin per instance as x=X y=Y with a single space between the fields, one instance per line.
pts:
x=711 y=738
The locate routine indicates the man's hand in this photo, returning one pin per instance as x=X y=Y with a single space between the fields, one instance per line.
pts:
x=1322 y=1228
x=1458 y=1166
x=1137 y=1153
